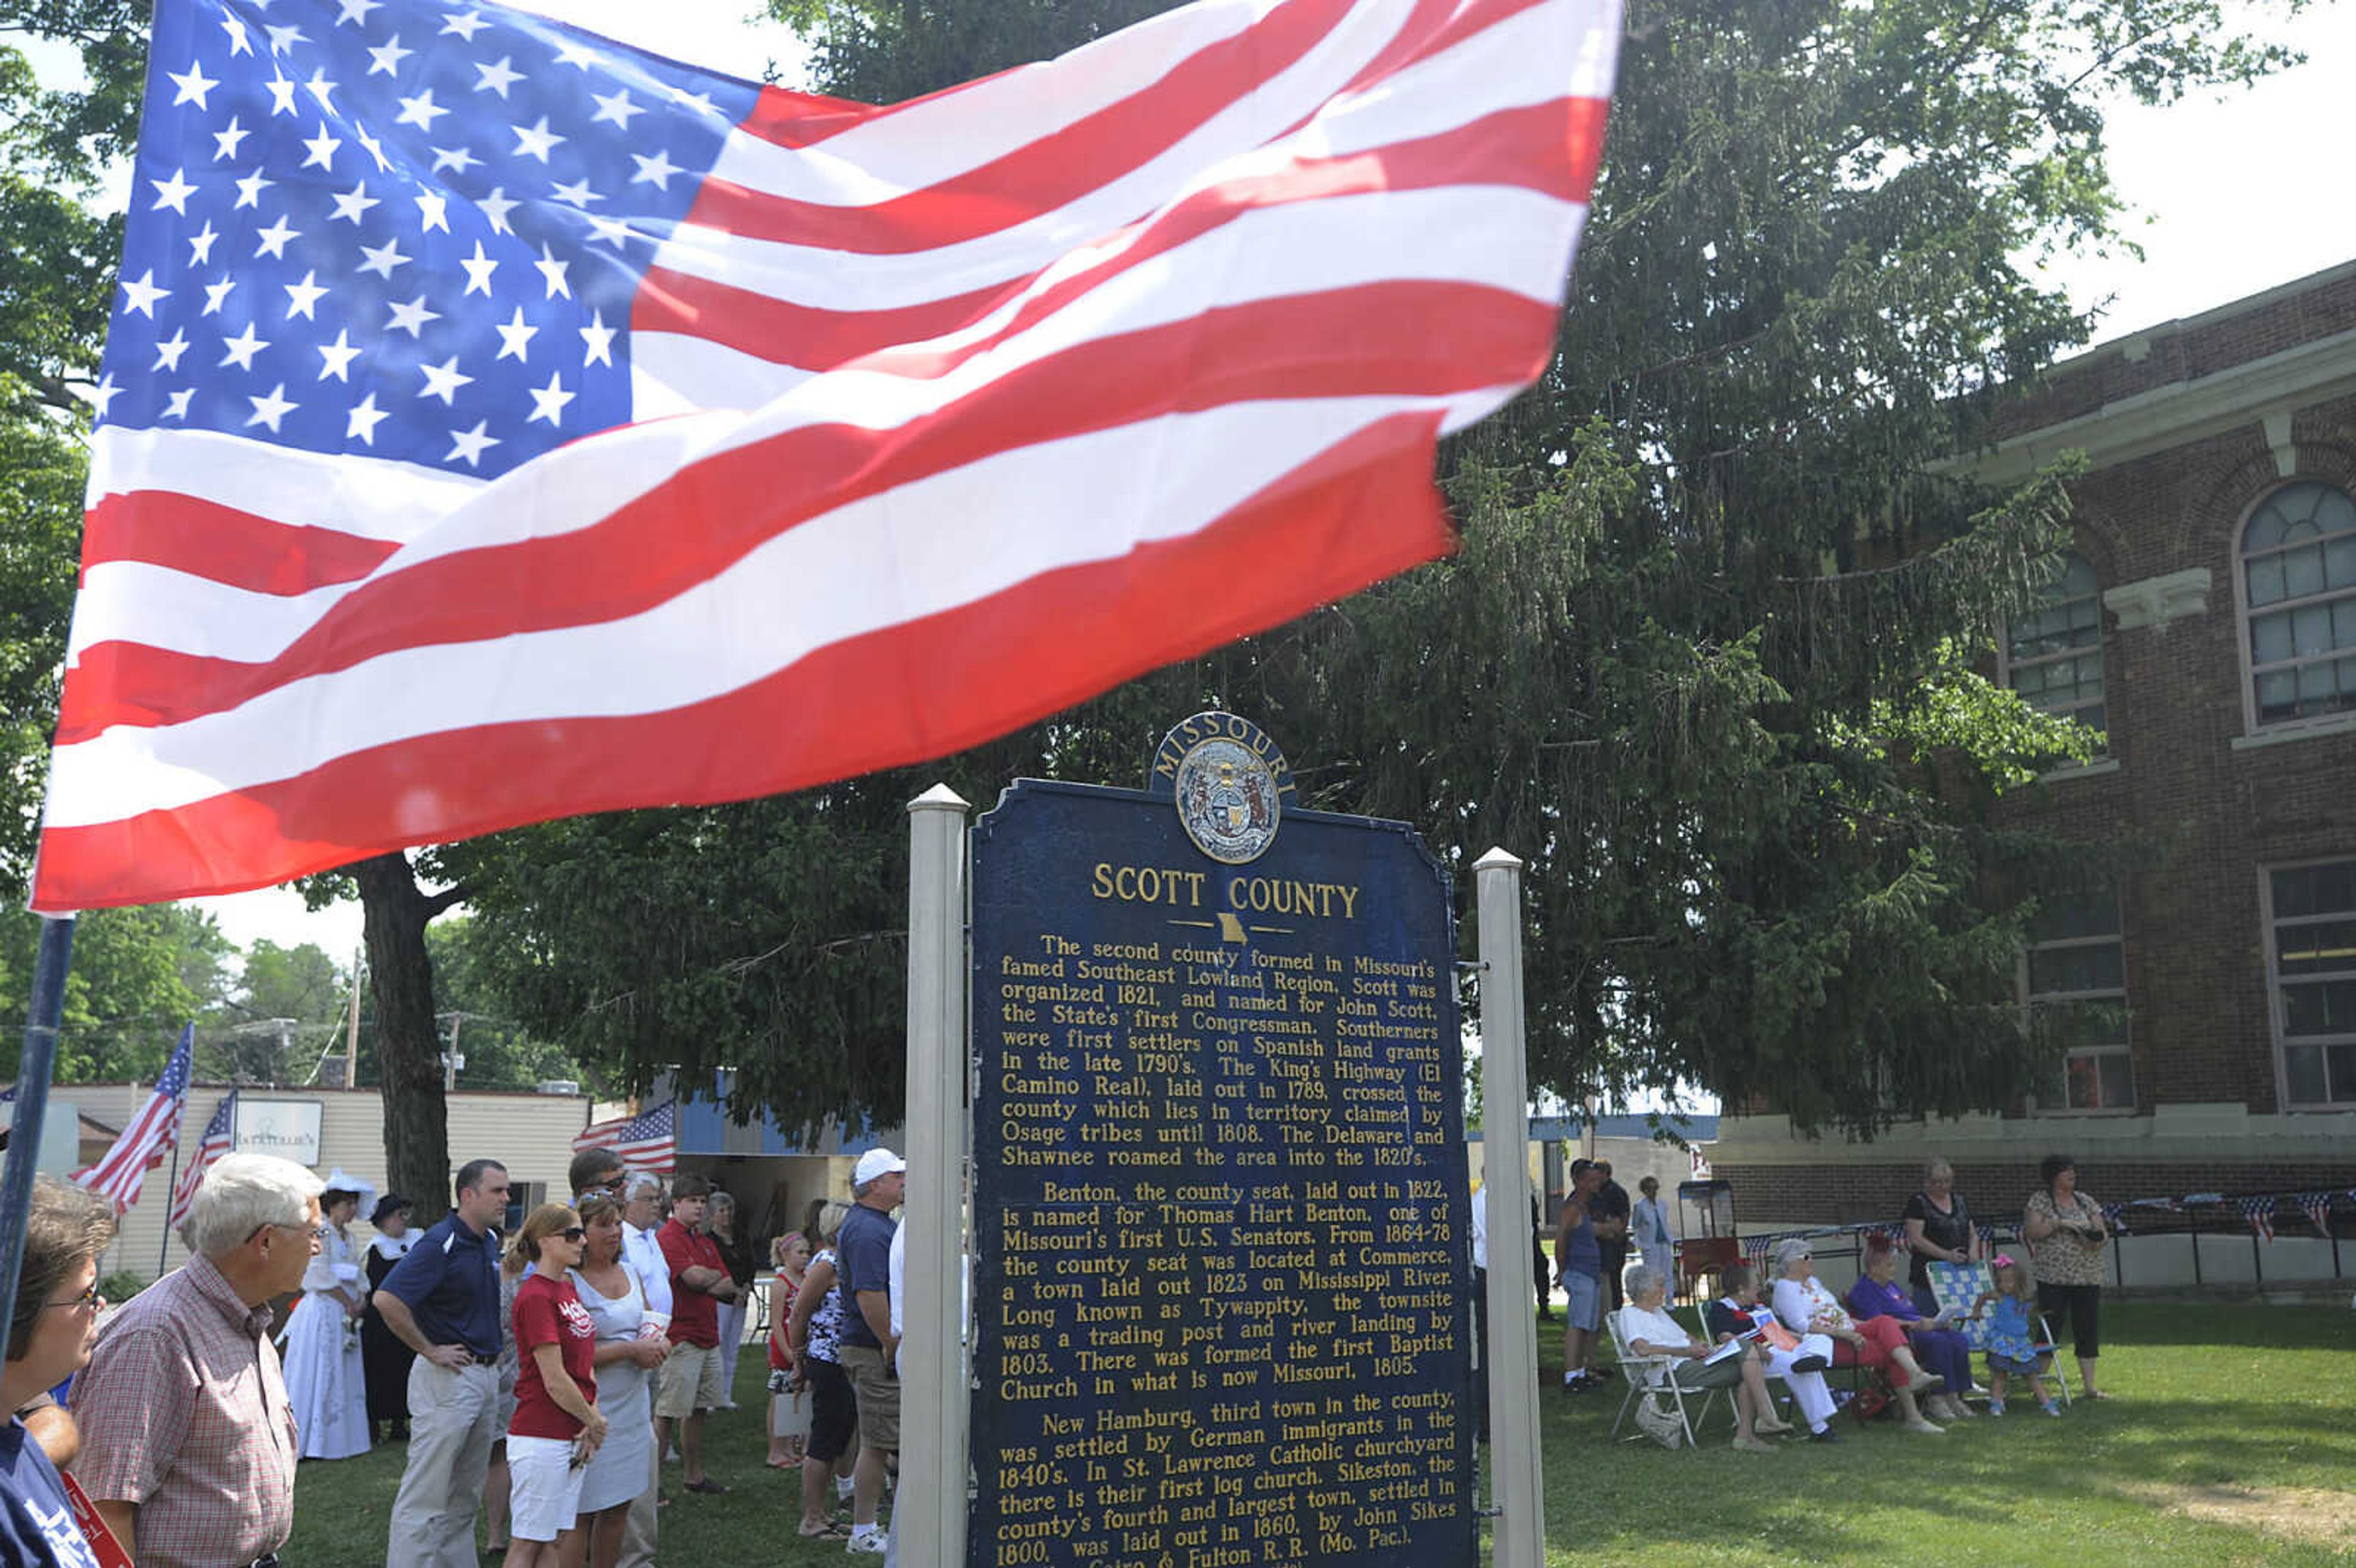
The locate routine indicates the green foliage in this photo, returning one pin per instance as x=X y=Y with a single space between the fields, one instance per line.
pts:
x=138 y=976
x=121 y=1287
x=42 y=471
x=244 y=1039
x=500 y=1052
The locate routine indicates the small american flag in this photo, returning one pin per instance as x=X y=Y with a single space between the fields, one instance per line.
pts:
x=648 y=1142
x=2260 y=1213
x=210 y=1147
x=143 y=1144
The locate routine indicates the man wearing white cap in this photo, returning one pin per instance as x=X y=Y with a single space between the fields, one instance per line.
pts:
x=868 y=1347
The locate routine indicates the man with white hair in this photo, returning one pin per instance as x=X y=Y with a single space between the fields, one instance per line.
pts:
x=642 y=1194
x=187 y=1439
x=442 y=1300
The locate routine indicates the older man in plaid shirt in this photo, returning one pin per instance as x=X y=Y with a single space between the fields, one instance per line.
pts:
x=188 y=1440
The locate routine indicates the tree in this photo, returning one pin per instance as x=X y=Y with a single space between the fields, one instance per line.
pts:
x=285 y=1010
x=500 y=1052
x=138 y=976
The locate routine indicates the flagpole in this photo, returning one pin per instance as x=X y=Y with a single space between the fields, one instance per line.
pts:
x=33 y=1070
x=171 y=1190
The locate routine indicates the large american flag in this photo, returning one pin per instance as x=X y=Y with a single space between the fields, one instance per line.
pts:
x=648 y=1142
x=497 y=421
x=141 y=1146
x=219 y=1134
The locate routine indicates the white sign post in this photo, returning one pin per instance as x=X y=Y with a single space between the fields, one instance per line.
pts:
x=930 y=1526
x=1515 y=1476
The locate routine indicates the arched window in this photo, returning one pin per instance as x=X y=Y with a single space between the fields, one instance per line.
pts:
x=2053 y=656
x=2299 y=585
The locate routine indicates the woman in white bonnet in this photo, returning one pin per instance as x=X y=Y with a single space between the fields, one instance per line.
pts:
x=327 y=1385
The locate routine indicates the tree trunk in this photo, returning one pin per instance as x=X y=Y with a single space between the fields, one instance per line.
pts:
x=395 y=912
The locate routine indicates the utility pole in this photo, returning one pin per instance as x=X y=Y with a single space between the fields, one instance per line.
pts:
x=352 y=1028
x=453 y=1059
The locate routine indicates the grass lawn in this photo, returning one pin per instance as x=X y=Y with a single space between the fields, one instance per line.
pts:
x=2232 y=1441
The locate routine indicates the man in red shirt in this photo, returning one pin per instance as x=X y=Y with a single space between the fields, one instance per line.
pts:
x=690 y=1375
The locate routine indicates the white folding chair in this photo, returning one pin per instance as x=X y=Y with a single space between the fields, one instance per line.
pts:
x=1958 y=1286
x=1636 y=1371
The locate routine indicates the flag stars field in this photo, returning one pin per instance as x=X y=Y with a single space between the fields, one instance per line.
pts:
x=289 y=157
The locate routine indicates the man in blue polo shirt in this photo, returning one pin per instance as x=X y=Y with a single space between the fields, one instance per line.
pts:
x=868 y=1348
x=443 y=1301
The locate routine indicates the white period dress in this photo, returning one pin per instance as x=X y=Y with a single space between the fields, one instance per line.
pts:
x=325 y=1383
x=618 y=1471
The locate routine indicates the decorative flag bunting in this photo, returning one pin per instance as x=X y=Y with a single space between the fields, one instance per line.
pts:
x=141 y=1146
x=210 y=1147
x=498 y=422
x=2317 y=1207
x=2260 y=1213
x=648 y=1142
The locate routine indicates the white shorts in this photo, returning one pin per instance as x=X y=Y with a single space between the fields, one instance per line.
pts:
x=543 y=1487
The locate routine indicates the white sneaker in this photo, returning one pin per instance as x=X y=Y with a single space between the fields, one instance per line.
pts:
x=867 y=1539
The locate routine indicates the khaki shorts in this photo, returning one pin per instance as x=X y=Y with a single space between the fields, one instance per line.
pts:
x=879 y=1396
x=691 y=1381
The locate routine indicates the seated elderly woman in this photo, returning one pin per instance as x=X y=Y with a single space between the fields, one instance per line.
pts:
x=1799 y=1360
x=50 y=1326
x=1649 y=1330
x=1805 y=1306
x=1877 y=1293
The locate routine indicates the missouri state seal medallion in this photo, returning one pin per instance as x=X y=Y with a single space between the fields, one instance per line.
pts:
x=1228 y=780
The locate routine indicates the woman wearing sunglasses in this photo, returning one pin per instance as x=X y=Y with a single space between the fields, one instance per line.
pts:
x=53 y=1320
x=557 y=1425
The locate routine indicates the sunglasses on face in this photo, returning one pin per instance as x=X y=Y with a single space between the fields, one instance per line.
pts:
x=87 y=1299
x=574 y=1232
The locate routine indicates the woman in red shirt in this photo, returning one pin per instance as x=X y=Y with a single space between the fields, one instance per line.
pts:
x=557 y=1424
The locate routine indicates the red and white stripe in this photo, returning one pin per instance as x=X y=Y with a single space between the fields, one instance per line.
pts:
x=220 y=1132
x=140 y=1147
x=952 y=414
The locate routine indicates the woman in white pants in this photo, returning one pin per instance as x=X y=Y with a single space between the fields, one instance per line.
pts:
x=1799 y=1360
x=1648 y=1228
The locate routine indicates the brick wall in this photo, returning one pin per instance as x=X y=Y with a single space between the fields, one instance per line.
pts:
x=2294 y=315
x=2215 y=816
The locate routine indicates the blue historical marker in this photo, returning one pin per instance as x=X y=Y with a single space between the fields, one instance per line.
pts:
x=1224 y=1288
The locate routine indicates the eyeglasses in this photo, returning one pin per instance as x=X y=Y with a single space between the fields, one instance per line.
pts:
x=89 y=1297
x=316 y=1233
x=575 y=1232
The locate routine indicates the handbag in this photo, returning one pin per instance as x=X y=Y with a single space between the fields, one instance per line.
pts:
x=1658 y=1422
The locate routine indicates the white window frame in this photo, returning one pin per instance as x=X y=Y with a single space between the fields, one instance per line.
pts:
x=2031 y=1001
x=2252 y=724
x=2006 y=665
x=2278 y=1007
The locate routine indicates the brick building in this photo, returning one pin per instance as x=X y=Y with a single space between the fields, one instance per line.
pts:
x=2208 y=625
